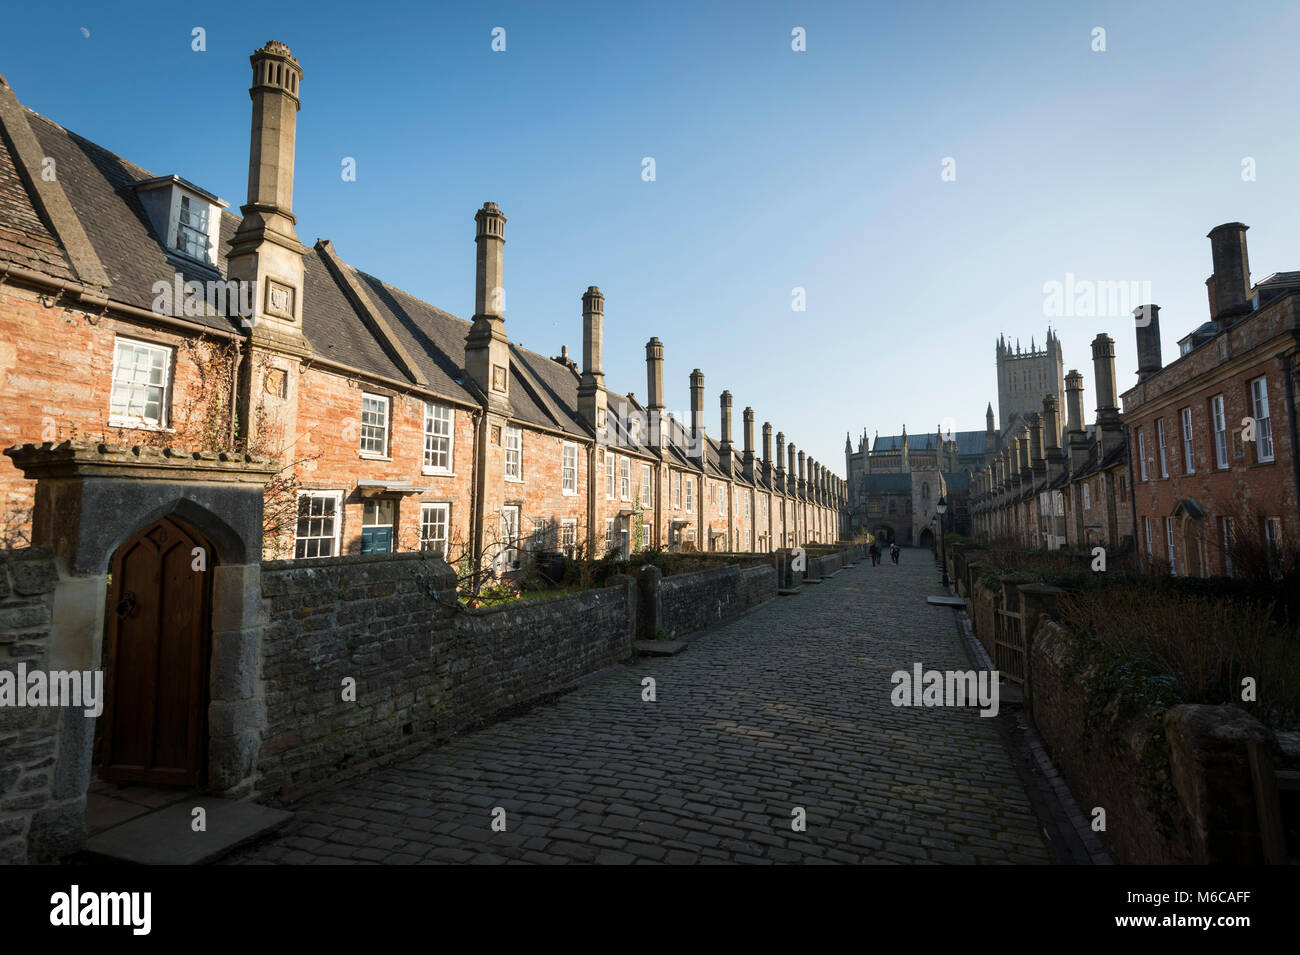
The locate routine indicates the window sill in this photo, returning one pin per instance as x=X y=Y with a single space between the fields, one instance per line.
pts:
x=135 y=424
x=434 y=472
x=1264 y=464
x=373 y=456
x=513 y=480
x=569 y=493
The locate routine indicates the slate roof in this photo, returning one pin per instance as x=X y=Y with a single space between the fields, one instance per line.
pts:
x=101 y=188
x=894 y=442
x=888 y=483
x=971 y=442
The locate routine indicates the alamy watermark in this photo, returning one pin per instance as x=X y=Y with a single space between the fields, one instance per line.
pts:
x=923 y=687
x=1085 y=298
x=78 y=688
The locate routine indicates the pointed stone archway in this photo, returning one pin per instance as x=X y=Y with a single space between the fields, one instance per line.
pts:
x=1189 y=517
x=91 y=500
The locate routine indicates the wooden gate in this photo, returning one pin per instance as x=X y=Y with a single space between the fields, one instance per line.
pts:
x=159 y=613
x=1009 y=645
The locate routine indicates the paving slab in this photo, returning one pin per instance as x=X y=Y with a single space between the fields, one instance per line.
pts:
x=165 y=837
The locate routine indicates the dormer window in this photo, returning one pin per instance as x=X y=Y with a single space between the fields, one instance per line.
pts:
x=186 y=219
x=192 y=229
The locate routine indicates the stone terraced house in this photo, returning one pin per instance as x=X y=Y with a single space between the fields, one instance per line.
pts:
x=400 y=426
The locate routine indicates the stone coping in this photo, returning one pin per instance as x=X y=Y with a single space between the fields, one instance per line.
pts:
x=103 y=459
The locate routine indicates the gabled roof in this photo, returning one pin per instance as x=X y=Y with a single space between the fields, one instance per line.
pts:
x=102 y=190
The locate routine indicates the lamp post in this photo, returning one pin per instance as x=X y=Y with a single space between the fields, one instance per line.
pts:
x=942 y=508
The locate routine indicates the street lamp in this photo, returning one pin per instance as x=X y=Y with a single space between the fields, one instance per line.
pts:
x=942 y=508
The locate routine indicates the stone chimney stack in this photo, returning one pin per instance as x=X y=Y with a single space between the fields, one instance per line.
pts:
x=1037 y=460
x=1078 y=437
x=780 y=461
x=1147 y=320
x=792 y=474
x=726 y=452
x=1052 y=450
x=1025 y=449
x=592 y=401
x=802 y=487
x=1209 y=290
x=748 y=459
x=1231 y=272
x=767 y=451
x=697 y=415
x=265 y=249
x=487 y=349
x=1109 y=428
x=654 y=373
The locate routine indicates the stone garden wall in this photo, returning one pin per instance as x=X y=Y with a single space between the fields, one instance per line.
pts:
x=422 y=668
x=41 y=808
x=691 y=602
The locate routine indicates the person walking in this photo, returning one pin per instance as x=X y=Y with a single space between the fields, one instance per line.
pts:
x=874 y=551
x=893 y=552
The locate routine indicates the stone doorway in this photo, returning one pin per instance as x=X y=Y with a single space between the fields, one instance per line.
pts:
x=156 y=658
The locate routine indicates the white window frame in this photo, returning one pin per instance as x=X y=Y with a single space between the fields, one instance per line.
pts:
x=198 y=224
x=127 y=419
x=337 y=519
x=1087 y=497
x=1169 y=546
x=677 y=490
x=568 y=536
x=624 y=478
x=1228 y=537
x=1220 y=424
x=427 y=541
x=1273 y=543
x=434 y=418
x=569 y=469
x=1263 y=423
x=368 y=429
x=1142 y=455
x=609 y=476
x=514 y=453
x=1160 y=443
x=510 y=541
x=748 y=496
x=609 y=535
x=645 y=535
x=1189 y=452
x=1146 y=529
x=689 y=493
x=647 y=486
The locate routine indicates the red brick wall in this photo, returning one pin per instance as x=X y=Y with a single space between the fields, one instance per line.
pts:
x=1247 y=483
x=56 y=370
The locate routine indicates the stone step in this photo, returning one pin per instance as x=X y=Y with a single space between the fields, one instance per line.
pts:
x=165 y=836
x=660 y=648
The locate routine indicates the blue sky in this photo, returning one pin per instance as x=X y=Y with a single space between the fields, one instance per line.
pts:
x=774 y=170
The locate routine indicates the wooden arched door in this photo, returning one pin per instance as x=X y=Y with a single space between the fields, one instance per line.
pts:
x=156 y=658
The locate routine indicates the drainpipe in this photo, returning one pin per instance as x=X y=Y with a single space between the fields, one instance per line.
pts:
x=1291 y=416
x=236 y=365
x=476 y=490
x=1132 y=489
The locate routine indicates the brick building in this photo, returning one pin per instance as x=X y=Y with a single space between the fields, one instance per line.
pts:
x=400 y=425
x=1214 y=431
x=1202 y=455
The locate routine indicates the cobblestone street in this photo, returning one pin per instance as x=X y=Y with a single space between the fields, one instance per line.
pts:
x=786 y=707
